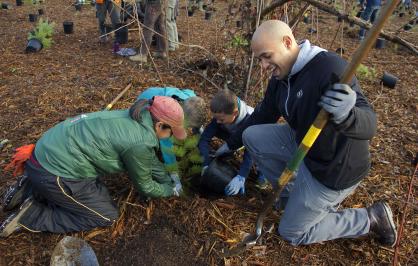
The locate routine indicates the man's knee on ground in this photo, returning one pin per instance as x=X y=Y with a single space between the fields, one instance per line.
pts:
x=295 y=238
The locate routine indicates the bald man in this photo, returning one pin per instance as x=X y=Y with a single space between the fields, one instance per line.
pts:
x=304 y=80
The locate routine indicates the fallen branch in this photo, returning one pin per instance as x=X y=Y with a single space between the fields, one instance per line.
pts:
x=331 y=10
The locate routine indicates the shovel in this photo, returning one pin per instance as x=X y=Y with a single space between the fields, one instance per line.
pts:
x=312 y=134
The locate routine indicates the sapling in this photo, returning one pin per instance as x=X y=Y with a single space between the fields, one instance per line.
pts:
x=43 y=32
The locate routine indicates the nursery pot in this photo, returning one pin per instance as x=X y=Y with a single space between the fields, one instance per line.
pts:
x=380 y=43
x=68 y=27
x=407 y=27
x=33 y=46
x=306 y=20
x=401 y=14
x=204 y=7
x=78 y=7
x=217 y=176
x=389 y=80
x=19 y=2
x=33 y=17
x=40 y=12
x=312 y=30
x=340 y=50
x=239 y=24
x=208 y=15
x=190 y=13
x=122 y=34
x=6 y=6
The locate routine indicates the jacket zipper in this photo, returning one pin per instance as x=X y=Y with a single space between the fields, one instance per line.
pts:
x=288 y=94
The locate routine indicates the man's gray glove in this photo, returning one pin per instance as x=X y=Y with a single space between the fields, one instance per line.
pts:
x=338 y=101
x=222 y=150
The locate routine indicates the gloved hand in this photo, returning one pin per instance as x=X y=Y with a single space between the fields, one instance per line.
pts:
x=178 y=188
x=204 y=169
x=338 y=101
x=222 y=150
x=237 y=185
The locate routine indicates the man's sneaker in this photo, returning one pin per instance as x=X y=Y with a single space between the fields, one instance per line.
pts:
x=16 y=193
x=381 y=223
x=138 y=58
x=11 y=224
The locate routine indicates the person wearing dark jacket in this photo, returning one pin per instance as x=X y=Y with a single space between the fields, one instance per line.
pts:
x=229 y=112
x=304 y=80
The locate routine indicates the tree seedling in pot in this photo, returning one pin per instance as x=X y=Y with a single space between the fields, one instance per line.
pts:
x=40 y=37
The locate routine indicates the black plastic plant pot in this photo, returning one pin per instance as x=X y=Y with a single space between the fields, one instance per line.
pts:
x=68 y=27
x=122 y=34
x=208 y=15
x=340 y=50
x=306 y=20
x=401 y=14
x=389 y=80
x=239 y=24
x=217 y=176
x=40 y=12
x=407 y=27
x=380 y=43
x=78 y=7
x=19 y=2
x=190 y=13
x=205 y=7
x=6 y=6
x=33 y=46
x=33 y=17
x=311 y=30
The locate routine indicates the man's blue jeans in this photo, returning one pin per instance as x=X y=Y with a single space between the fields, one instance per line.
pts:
x=370 y=13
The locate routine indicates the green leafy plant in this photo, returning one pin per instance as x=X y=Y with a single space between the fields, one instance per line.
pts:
x=364 y=72
x=189 y=160
x=238 y=41
x=43 y=32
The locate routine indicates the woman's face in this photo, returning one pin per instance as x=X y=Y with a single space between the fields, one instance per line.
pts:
x=163 y=130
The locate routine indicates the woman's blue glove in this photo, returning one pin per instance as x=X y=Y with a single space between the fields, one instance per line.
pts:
x=237 y=185
x=178 y=188
x=338 y=101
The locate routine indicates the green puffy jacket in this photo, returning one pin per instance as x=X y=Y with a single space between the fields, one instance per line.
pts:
x=107 y=142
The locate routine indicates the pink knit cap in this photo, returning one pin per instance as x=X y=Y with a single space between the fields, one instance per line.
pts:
x=169 y=111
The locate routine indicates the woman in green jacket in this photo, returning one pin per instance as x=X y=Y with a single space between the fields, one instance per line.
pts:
x=63 y=169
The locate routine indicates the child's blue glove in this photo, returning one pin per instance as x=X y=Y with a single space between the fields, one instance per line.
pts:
x=237 y=185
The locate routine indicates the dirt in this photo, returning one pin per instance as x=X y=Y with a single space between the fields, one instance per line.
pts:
x=160 y=243
x=78 y=75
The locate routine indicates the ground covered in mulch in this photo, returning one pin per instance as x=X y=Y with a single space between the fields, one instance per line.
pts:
x=78 y=75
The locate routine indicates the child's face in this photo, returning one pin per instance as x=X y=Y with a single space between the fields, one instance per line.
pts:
x=225 y=119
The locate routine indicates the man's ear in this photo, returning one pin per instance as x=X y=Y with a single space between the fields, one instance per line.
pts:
x=287 y=42
x=236 y=112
